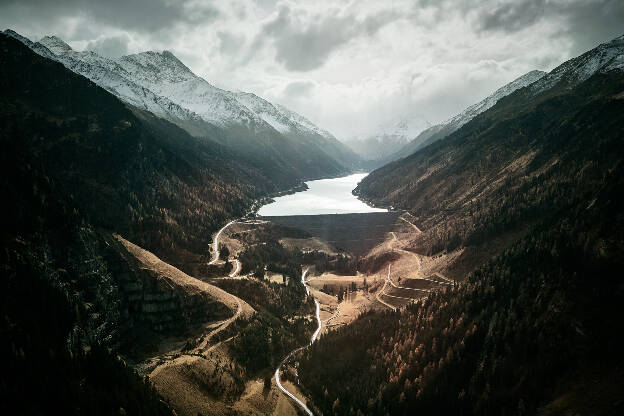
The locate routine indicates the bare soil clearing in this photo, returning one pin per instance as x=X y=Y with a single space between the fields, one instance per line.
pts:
x=202 y=379
x=180 y=280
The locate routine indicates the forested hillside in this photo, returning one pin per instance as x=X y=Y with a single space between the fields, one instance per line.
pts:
x=532 y=192
x=534 y=330
x=130 y=172
x=77 y=165
x=525 y=158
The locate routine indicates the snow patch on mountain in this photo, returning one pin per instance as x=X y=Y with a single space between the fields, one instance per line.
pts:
x=56 y=45
x=605 y=57
x=160 y=83
x=265 y=110
x=37 y=47
x=474 y=110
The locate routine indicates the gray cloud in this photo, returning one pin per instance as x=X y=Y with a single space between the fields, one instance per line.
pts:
x=230 y=42
x=591 y=23
x=298 y=89
x=584 y=22
x=512 y=16
x=113 y=46
x=348 y=66
x=303 y=46
x=135 y=15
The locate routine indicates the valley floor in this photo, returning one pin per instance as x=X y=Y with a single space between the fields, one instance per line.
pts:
x=198 y=375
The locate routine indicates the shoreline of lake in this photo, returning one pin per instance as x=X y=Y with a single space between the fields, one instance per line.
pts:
x=323 y=196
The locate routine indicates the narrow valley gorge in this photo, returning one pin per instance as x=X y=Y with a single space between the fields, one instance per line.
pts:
x=174 y=247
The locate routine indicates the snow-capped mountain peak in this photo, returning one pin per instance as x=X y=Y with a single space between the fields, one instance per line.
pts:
x=603 y=58
x=55 y=44
x=160 y=83
x=408 y=127
x=37 y=47
x=17 y=36
x=389 y=137
x=447 y=127
x=488 y=102
x=157 y=67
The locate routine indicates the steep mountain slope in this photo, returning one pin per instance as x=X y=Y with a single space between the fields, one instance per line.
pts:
x=606 y=57
x=530 y=332
x=78 y=165
x=250 y=124
x=532 y=192
x=161 y=84
x=439 y=131
x=298 y=128
x=131 y=172
x=499 y=172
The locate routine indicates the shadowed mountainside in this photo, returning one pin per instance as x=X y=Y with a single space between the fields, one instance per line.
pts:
x=77 y=165
x=531 y=192
x=526 y=158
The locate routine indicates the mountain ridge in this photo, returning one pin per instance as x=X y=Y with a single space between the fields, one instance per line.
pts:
x=457 y=173
x=160 y=83
x=455 y=122
x=388 y=138
x=526 y=201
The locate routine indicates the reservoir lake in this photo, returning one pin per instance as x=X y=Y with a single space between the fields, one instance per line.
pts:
x=324 y=196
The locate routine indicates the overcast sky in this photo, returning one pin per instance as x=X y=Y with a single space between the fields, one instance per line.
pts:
x=349 y=66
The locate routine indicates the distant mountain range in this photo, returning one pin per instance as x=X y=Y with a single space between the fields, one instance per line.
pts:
x=494 y=151
x=447 y=127
x=160 y=83
x=406 y=136
x=388 y=138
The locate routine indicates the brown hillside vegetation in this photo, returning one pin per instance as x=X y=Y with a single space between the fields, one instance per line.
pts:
x=530 y=193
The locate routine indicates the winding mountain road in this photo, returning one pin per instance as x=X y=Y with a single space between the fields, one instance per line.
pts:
x=237 y=269
x=202 y=346
x=334 y=316
x=383 y=289
x=412 y=224
x=445 y=280
x=314 y=337
x=215 y=242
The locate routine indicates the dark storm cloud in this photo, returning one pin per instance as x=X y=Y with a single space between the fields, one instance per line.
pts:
x=130 y=15
x=590 y=24
x=304 y=44
x=584 y=22
x=512 y=16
